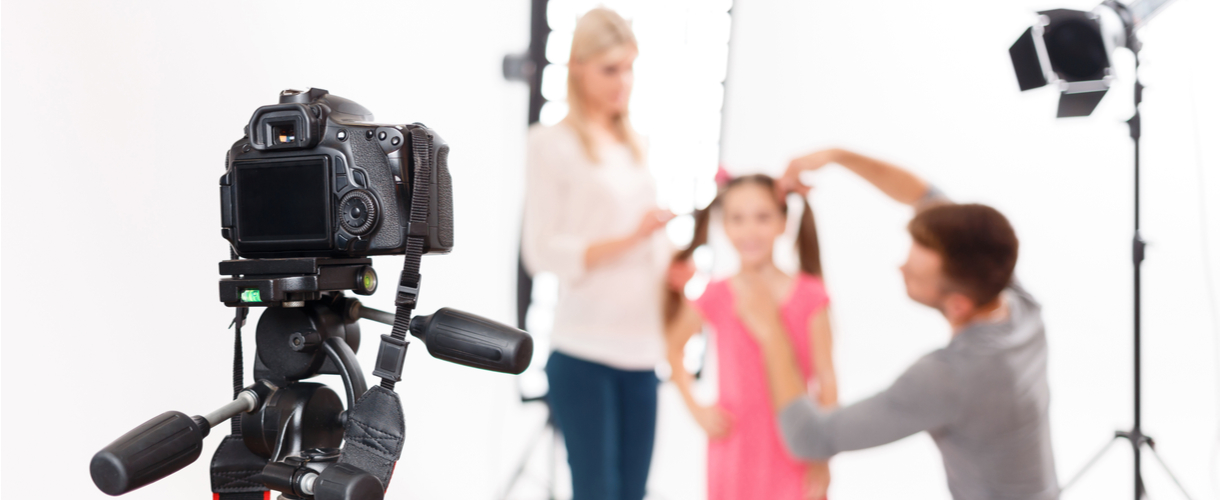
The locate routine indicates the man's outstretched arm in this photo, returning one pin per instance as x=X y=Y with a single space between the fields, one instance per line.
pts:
x=925 y=397
x=896 y=182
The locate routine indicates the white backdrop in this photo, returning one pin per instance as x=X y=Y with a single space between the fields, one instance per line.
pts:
x=116 y=116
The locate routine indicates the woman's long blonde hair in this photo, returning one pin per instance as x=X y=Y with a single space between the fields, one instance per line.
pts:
x=599 y=30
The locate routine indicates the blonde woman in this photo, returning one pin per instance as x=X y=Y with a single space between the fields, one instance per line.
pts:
x=591 y=219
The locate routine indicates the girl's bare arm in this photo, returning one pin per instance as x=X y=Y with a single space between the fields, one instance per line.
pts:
x=822 y=344
x=677 y=334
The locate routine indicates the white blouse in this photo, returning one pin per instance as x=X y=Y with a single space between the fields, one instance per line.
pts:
x=610 y=314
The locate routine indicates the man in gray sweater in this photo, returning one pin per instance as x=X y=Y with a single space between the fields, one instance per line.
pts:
x=983 y=398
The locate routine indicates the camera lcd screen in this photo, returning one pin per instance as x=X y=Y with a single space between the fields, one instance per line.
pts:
x=283 y=200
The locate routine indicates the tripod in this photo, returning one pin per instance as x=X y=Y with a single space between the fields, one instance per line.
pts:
x=289 y=433
x=1135 y=437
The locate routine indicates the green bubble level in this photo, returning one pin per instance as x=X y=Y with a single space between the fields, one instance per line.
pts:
x=250 y=296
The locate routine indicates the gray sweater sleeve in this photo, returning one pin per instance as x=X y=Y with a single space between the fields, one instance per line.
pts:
x=923 y=398
x=934 y=196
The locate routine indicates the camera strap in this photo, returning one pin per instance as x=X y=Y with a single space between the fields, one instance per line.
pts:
x=393 y=349
x=375 y=430
x=234 y=467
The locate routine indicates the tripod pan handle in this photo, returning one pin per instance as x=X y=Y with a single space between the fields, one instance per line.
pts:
x=155 y=449
x=472 y=340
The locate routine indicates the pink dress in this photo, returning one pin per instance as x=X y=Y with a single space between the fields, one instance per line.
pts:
x=752 y=462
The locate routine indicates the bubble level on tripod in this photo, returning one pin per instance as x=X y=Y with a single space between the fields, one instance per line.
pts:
x=250 y=296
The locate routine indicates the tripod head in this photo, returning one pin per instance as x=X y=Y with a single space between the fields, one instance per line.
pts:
x=292 y=429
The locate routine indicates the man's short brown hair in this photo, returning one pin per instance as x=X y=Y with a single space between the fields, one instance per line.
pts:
x=976 y=244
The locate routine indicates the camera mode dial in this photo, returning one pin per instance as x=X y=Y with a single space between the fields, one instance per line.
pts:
x=359 y=212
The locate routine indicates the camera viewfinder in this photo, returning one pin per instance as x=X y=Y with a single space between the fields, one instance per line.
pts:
x=284 y=133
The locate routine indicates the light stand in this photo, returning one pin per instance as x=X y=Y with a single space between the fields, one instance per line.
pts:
x=527 y=68
x=1074 y=53
x=1135 y=436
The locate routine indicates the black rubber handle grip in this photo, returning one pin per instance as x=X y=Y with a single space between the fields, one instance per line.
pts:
x=155 y=449
x=472 y=340
x=347 y=482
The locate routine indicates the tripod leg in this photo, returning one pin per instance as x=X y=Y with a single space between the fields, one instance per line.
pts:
x=525 y=458
x=1170 y=472
x=1089 y=465
x=551 y=495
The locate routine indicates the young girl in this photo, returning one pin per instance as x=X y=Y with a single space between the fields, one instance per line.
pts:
x=746 y=455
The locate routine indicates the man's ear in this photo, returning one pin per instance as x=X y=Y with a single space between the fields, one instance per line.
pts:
x=958 y=307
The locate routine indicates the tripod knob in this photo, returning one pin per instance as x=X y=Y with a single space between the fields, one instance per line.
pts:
x=155 y=449
x=347 y=482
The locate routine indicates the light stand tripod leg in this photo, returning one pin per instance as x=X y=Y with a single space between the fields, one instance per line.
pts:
x=1089 y=465
x=1168 y=471
x=555 y=437
x=525 y=457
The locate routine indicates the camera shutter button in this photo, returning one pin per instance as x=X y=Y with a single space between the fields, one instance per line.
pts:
x=358 y=212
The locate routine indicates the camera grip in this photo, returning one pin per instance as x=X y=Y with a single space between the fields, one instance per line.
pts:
x=474 y=341
x=155 y=449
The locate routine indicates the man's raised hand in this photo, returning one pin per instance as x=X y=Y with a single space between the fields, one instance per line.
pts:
x=791 y=180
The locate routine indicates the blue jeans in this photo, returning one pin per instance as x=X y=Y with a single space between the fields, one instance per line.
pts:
x=608 y=418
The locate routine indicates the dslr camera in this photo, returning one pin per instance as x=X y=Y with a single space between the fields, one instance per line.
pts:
x=313 y=177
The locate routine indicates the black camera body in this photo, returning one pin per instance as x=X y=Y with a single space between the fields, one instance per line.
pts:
x=315 y=177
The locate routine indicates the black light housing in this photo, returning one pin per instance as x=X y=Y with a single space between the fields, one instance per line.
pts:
x=1071 y=48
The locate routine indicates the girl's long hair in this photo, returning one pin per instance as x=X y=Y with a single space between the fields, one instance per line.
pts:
x=807 y=248
x=597 y=31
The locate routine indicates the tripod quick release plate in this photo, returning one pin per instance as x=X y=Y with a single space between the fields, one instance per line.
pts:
x=291 y=282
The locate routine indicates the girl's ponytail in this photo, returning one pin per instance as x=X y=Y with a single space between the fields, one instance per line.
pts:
x=807 y=248
x=674 y=298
